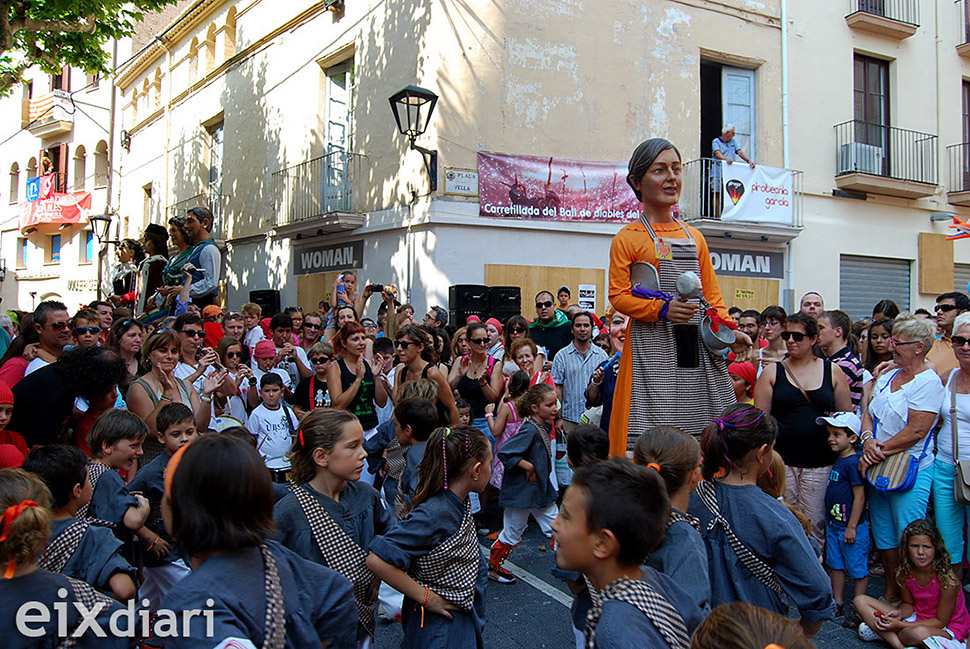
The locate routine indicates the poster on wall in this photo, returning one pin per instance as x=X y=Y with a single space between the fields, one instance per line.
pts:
x=533 y=187
x=587 y=297
x=759 y=195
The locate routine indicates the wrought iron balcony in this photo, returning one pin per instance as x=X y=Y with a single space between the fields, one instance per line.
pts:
x=51 y=114
x=894 y=18
x=325 y=192
x=958 y=182
x=886 y=160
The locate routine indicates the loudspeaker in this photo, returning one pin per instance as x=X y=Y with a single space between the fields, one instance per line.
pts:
x=268 y=300
x=459 y=317
x=505 y=300
x=472 y=297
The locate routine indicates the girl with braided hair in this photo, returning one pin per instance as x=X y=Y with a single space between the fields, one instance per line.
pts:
x=433 y=556
x=757 y=551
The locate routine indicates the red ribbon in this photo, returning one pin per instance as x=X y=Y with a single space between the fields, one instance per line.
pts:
x=717 y=321
x=11 y=514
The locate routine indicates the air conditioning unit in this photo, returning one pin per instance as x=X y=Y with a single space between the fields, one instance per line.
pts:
x=862 y=158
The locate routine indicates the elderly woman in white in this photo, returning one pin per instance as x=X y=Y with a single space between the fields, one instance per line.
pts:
x=903 y=410
x=950 y=515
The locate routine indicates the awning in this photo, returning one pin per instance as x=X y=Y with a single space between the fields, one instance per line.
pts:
x=49 y=214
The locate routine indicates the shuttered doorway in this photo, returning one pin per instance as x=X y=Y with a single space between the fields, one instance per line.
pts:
x=961 y=277
x=863 y=281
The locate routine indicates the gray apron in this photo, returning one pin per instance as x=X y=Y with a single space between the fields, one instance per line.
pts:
x=663 y=393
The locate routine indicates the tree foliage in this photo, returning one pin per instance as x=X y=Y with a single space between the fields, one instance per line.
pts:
x=55 y=33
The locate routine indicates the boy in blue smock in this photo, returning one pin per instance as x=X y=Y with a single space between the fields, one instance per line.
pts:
x=162 y=565
x=115 y=441
x=89 y=553
x=413 y=425
x=846 y=524
x=613 y=516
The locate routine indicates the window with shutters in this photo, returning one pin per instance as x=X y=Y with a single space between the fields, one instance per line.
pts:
x=864 y=281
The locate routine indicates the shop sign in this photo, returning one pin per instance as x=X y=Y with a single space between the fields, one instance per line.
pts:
x=532 y=187
x=747 y=263
x=461 y=182
x=325 y=259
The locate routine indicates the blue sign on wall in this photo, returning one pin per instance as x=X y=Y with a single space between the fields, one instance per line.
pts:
x=33 y=188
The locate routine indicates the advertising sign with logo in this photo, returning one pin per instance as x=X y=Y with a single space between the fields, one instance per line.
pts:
x=759 y=195
x=324 y=259
x=48 y=214
x=461 y=182
x=532 y=187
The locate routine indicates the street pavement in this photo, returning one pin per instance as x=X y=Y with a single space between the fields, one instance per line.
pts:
x=533 y=613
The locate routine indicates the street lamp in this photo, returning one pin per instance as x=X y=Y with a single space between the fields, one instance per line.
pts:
x=100 y=223
x=412 y=117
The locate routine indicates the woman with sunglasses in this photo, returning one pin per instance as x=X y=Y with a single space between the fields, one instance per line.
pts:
x=796 y=392
x=415 y=351
x=951 y=516
x=231 y=354
x=312 y=392
x=900 y=415
x=126 y=336
x=516 y=328
x=474 y=379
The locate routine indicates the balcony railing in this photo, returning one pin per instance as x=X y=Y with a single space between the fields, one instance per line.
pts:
x=216 y=204
x=879 y=150
x=903 y=11
x=702 y=194
x=50 y=114
x=330 y=184
x=958 y=157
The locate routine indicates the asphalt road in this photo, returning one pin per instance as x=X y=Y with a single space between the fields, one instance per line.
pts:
x=534 y=612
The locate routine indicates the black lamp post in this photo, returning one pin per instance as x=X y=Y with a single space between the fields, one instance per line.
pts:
x=100 y=223
x=412 y=108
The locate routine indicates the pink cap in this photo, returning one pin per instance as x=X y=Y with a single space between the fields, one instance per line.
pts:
x=264 y=349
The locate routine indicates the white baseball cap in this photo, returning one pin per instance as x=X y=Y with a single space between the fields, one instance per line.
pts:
x=848 y=420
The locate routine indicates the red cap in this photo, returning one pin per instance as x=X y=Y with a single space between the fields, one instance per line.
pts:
x=6 y=394
x=495 y=323
x=472 y=318
x=10 y=456
x=744 y=370
x=264 y=349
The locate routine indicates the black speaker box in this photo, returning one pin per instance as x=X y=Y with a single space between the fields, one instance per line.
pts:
x=268 y=300
x=505 y=299
x=468 y=296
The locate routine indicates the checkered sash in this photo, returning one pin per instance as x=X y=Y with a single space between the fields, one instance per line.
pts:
x=341 y=553
x=451 y=569
x=544 y=435
x=95 y=471
x=395 y=458
x=62 y=547
x=757 y=567
x=86 y=595
x=274 y=625
x=658 y=610
x=681 y=517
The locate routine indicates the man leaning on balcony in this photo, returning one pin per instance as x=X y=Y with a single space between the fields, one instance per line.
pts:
x=724 y=148
x=205 y=257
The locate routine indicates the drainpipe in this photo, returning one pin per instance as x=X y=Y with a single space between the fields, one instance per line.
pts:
x=103 y=250
x=786 y=145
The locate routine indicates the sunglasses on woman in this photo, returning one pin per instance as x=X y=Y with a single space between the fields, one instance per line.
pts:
x=517 y=330
x=959 y=341
x=234 y=354
x=797 y=336
x=478 y=341
x=402 y=344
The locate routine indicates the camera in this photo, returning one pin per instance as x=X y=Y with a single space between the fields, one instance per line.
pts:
x=377 y=288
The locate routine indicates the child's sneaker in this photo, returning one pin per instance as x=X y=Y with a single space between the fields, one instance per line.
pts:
x=866 y=634
x=501 y=575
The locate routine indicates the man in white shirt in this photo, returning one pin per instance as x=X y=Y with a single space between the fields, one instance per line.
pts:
x=289 y=357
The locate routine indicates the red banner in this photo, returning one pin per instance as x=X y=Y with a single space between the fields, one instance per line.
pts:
x=49 y=214
x=530 y=187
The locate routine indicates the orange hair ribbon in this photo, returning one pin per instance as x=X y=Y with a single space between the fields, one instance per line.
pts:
x=9 y=516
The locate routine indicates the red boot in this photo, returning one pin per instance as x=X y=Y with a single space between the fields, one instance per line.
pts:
x=499 y=553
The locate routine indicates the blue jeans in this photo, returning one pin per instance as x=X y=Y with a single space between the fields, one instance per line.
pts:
x=481 y=424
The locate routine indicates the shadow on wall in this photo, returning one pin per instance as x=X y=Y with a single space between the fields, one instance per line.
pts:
x=391 y=56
